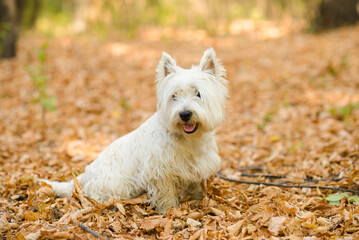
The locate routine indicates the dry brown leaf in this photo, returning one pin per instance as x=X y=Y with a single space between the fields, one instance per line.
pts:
x=178 y=223
x=276 y=224
x=140 y=210
x=167 y=224
x=30 y=216
x=4 y=224
x=250 y=228
x=44 y=192
x=150 y=223
x=117 y=227
x=79 y=193
x=33 y=236
x=307 y=216
x=195 y=215
x=290 y=208
x=198 y=235
x=121 y=208
x=193 y=223
x=236 y=228
x=217 y=212
x=19 y=236
x=134 y=201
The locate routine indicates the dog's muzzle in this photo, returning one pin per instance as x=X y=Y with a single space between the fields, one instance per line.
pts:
x=185 y=115
x=188 y=128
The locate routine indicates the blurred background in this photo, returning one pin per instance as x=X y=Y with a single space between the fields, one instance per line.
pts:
x=156 y=19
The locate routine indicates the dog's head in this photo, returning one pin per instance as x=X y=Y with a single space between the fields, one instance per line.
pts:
x=191 y=101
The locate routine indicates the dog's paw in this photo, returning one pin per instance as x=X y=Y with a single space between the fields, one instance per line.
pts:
x=163 y=204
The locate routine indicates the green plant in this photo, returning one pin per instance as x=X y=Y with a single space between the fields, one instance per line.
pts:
x=345 y=61
x=334 y=199
x=261 y=125
x=266 y=119
x=124 y=104
x=39 y=77
x=295 y=147
x=344 y=112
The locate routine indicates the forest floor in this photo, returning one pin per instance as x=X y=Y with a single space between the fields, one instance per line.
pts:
x=292 y=118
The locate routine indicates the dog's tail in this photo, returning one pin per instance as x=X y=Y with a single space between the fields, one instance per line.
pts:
x=61 y=189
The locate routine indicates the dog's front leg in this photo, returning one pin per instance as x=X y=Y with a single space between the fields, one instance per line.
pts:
x=163 y=195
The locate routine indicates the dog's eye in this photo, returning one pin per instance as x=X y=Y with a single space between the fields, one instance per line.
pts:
x=173 y=97
x=199 y=94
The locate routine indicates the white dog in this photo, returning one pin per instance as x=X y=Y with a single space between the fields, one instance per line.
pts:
x=174 y=150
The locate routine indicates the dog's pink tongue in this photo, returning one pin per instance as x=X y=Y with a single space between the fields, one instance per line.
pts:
x=188 y=127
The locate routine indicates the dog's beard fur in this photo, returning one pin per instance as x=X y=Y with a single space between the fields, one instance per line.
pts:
x=173 y=151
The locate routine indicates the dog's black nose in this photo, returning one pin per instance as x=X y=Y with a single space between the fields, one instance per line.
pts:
x=185 y=115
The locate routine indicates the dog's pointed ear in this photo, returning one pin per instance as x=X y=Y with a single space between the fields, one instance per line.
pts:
x=210 y=63
x=166 y=66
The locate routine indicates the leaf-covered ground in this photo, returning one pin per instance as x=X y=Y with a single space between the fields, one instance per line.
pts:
x=292 y=118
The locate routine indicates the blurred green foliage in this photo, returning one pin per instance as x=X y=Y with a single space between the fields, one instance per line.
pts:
x=39 y=78
x=344 y=112
x=56 y=17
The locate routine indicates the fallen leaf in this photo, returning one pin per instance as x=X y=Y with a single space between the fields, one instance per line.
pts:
x=235 y=228
x=4 y=224
x=31 y=216
x=193 y=223
x=276 y=224
x=149 y=223
x=44 y=192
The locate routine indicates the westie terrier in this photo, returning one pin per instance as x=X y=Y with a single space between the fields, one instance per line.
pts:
x=174 y=150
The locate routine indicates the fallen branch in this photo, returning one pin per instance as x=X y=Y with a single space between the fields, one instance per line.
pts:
x=286 y=186
x=92 y=232
x=278 y=176
x=271 y=176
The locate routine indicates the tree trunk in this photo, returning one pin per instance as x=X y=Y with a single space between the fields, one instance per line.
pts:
x=10 y=11
x=336 y=13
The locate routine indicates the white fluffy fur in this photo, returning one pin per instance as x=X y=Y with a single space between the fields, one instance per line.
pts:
x=159 y=157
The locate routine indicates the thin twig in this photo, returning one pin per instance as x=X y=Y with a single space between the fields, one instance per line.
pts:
x=252 y=168
x=294 y=182
x=89 y=230
x=278 y=176
x=286 y=186
x=262 y=175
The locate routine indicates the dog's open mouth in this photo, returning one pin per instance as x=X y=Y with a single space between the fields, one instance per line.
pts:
x=190 y=128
